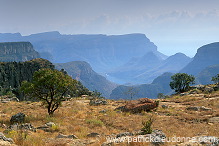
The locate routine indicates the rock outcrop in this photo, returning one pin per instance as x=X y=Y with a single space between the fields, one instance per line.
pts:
x=18 y=118
x=142 y=104
x=17 y=51
x=4 y=141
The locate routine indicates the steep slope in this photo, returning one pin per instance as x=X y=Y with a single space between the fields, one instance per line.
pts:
x=159 y=85
x=17 y=51
x=83 y=72
x=205 y=76
x=174 y=63
x=206 y=55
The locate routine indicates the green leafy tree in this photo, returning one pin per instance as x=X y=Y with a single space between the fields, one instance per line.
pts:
x=96 y=94
x=49 y=86
x=215 y=79
x=181 y=81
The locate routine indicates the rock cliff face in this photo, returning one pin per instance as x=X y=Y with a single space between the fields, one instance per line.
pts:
x=206 y=56
x=17 y=51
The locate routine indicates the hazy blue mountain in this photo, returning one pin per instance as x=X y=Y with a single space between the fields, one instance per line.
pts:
x=145 y=69
x=159 y=85
x=136 y=66
x=205 y=76
x=17 y=51
x=102 y=52
x=206 y=55
x=83 y=72
x=175 y=63
x=10 y=37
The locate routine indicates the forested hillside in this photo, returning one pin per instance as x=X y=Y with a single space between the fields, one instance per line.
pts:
x=13 y=73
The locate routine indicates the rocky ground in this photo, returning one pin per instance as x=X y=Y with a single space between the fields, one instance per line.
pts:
x=77 y=123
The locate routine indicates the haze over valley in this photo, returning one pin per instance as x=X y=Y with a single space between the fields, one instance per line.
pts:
x=109 y=72
x=111 y=64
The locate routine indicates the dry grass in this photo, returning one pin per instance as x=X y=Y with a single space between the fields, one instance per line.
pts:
x=78 y=118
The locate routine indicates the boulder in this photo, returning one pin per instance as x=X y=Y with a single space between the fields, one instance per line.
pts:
x=18 y=118
x=97 y=102
x=124 y=134
x=103 y=111
x=26 y=126
x=107 y=144
x=142 y=104
x=47 y=127
x=164 y=106
x=199 y=87
x=93 y=134
x=158 y=136
x=5 y=99
x=67 y=136
x=198 y=108
x=193 y=108
x=3 y=138
x=44 y=128
x=50 y=124
x=214 y=120
x=202 y=108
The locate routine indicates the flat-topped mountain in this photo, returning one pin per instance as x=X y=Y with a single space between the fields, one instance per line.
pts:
x=17 y=51
x=102 y=52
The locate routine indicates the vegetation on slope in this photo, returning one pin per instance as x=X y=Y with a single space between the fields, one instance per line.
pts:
x=13 y=73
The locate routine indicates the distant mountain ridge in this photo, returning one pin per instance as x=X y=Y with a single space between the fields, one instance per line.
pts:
x=159 y=85
x=145 y=69
x=102 y=52
x=130 y=58
x=17 y=51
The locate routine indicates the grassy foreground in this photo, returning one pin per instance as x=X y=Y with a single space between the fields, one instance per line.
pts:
x=79 y=118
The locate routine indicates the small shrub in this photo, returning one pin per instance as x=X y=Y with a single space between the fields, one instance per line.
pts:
x=94 y=122
x=147 y=129
x=55 y=127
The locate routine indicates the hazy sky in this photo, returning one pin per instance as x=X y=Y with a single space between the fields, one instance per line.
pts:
x=173 y=25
